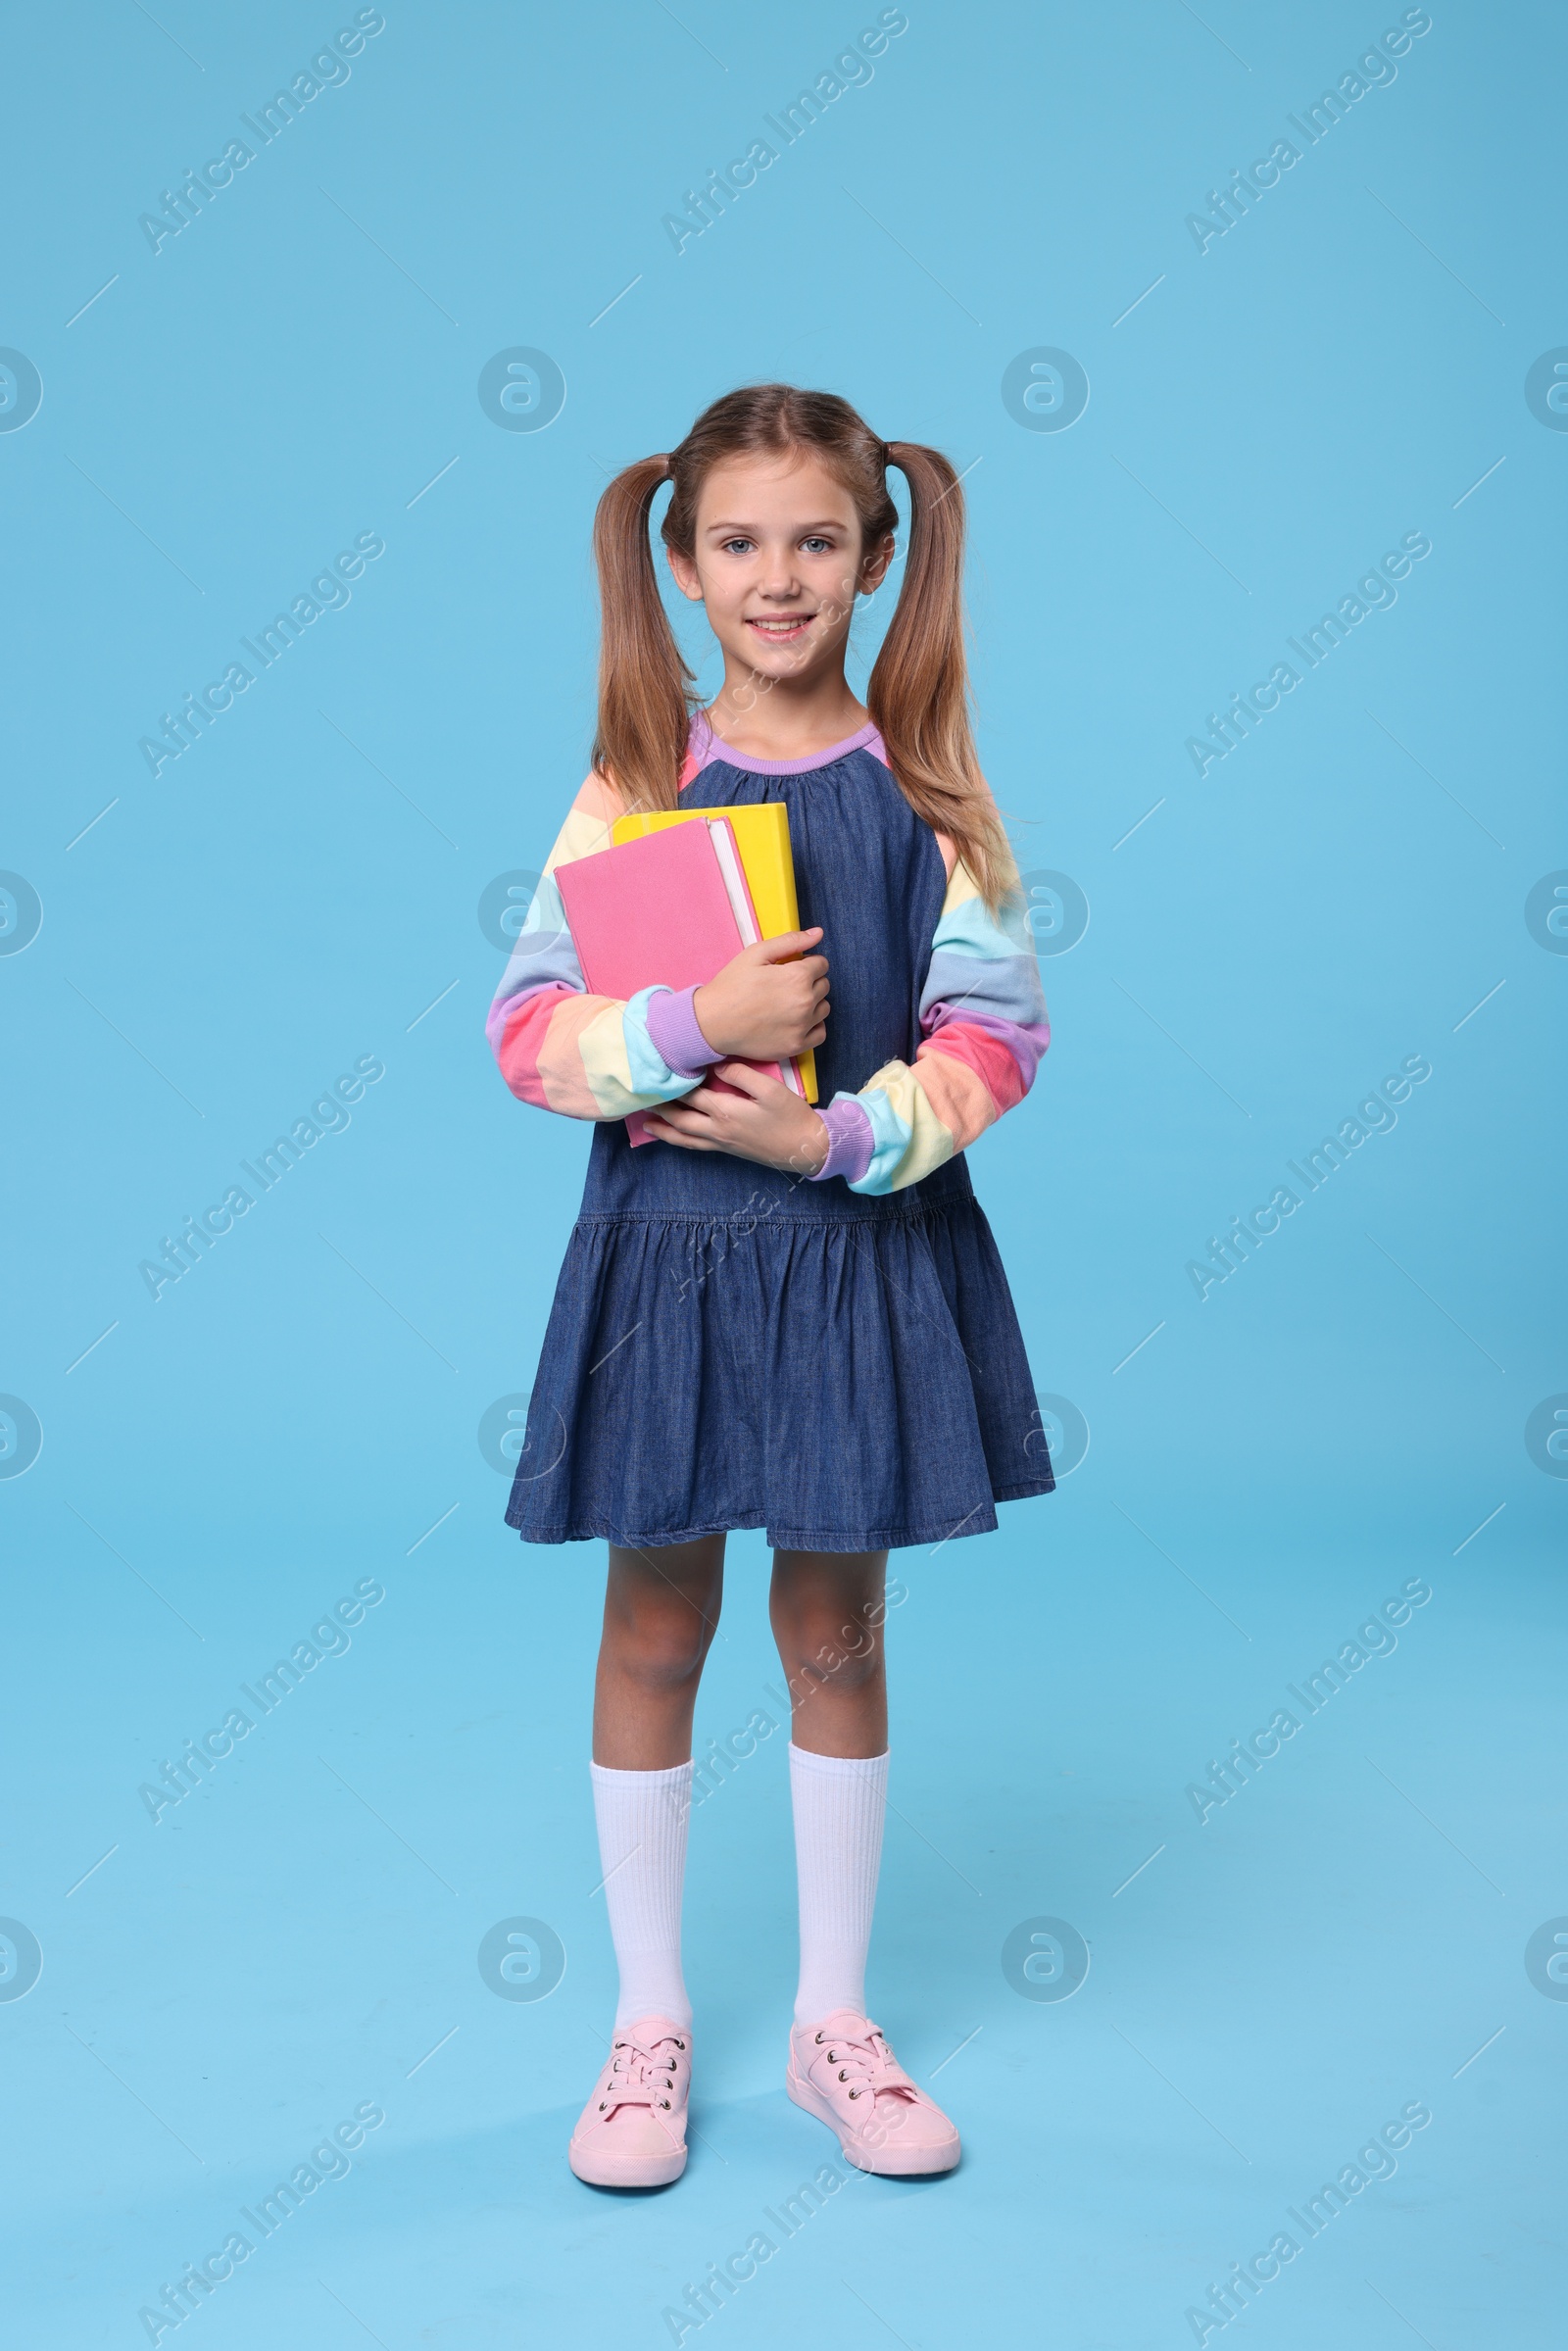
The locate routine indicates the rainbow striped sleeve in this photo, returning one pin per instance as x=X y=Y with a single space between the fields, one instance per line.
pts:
x=559 y=1047
x=984 y=1028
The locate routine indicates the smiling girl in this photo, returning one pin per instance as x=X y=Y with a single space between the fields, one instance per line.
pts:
x=779 y=1317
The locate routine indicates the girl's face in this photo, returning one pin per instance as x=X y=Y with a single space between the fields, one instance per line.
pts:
x=777 y=563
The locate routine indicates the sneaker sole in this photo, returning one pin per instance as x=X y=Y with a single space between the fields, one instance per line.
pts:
x=652 y=2171
x=888 y=2163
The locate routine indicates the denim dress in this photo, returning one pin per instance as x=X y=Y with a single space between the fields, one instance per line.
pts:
x=734 y=1346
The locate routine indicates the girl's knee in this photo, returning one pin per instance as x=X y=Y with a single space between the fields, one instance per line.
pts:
x=662 y=1664
x=831 y=1654
x=658 y=1638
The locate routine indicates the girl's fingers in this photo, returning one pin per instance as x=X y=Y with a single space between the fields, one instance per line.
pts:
x=685 y=1124
x=663 y=1130
x=786 y=945
x=749 y=1081
x=743 y=1119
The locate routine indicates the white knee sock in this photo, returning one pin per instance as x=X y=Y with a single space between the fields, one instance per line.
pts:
x=642 y=1818
x=839 y=1805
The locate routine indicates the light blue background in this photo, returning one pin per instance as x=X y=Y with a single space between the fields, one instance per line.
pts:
x=300 y=888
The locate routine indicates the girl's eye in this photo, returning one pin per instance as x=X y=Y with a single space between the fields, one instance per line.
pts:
x=817 y=545
x=737 y=547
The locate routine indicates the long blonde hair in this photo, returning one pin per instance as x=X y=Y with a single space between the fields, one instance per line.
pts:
x=919 y=692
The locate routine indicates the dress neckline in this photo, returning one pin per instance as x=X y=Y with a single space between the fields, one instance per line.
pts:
x=705 y=744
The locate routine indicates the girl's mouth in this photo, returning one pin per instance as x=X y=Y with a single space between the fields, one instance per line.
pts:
x=781 y=631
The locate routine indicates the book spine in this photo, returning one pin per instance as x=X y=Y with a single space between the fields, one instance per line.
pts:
x=732 y=867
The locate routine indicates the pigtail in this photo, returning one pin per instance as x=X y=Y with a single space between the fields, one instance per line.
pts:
x=918 y=695
x=643 y=685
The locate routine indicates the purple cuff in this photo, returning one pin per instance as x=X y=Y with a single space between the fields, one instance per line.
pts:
x=851 y=1141
x=676 y=1036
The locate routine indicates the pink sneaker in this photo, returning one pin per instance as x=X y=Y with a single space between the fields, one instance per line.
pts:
x=843 y=2073
x=632 y=2132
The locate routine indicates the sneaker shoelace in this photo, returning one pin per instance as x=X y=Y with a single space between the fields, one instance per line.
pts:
x=641 y=2077
x=869 y=2068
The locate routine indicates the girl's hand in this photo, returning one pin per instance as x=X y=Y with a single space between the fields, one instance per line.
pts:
x=765 y=1122
x=765 y=1005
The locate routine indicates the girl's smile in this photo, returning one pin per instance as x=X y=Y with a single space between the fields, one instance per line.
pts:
x=780 y=629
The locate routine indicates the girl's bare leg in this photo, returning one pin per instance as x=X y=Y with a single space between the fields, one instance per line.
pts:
x=827 y=1612
x=660 y=1613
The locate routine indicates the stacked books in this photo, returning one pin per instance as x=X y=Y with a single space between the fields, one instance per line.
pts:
x=678 y=897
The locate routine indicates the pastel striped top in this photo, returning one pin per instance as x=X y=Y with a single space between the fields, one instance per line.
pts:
x=982 y=1014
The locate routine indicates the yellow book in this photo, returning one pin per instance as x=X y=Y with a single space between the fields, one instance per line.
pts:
x=763 y=837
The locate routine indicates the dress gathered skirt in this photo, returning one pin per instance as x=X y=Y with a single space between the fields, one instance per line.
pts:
x=731 y=1347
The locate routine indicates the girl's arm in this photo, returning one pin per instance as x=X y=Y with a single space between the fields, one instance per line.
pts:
x=561 y=1048
x=984 y=1028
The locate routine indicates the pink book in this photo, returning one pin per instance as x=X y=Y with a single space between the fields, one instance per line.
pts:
x=669 y=909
